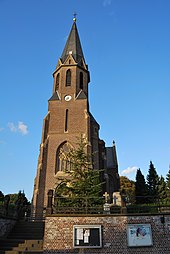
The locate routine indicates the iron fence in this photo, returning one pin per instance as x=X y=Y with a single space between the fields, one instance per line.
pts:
x=84 y=205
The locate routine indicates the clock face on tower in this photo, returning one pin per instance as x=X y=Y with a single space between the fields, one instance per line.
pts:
x=67 y=98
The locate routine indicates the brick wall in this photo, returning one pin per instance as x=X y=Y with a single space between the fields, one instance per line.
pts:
x=59 y=234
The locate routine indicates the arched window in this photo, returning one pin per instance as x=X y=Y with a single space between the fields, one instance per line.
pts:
x=62 y=162
x=57 y=81
x=81 y=80
x=68 y=78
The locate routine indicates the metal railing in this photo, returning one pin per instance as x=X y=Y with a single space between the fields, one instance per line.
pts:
x=86 y=205
x=147 y=204
x=78 y=205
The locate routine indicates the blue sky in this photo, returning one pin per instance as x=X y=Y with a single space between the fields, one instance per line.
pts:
x=126 y=44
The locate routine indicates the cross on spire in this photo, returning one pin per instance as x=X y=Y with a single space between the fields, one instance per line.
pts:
x=73 y=44
x=75 y=15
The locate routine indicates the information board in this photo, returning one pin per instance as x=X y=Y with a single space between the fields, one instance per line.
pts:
x=87 y=236
x=139 y=235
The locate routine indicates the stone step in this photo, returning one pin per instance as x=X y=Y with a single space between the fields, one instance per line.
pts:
x=10 y=242
x=11 y=252
x=27 y=230
x=20 y=242
x=18 y=246
x=23 y=229
x=33 y=252
x=30 y=223
x=22 y=252
x=30 y=252
x=26 y=237
x=24 y=248
x=31 y=243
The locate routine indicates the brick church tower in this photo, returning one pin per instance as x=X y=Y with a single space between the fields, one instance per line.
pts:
x=69 y=117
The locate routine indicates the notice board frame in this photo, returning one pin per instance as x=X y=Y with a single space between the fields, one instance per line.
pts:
x=139 y=235
x=87 y=236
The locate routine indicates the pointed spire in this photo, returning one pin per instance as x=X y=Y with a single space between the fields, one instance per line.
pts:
x=73 y=45
x=75 y=14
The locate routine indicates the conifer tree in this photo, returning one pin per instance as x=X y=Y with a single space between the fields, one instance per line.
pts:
x=152 y=183
x=81 y=186
x=162 y=190
x=140 y=188
x=168 y=185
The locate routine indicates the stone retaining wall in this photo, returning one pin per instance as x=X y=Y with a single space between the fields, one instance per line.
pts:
x=58 y=236
x=5 y=226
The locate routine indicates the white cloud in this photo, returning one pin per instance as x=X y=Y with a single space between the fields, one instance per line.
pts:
x=129 y=170
x=23 y=128
x=12 y=127
x=107 y=2
x=20 y=127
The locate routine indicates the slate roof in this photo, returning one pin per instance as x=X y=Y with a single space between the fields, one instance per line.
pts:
x=54 y=97
x=111 y=157
x=94 y=120
x=81 y=95
x=73 y=45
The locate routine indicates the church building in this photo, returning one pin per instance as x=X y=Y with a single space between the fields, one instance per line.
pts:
x=69 y=117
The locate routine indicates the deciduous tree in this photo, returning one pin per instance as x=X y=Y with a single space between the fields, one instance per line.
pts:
x=127 y=189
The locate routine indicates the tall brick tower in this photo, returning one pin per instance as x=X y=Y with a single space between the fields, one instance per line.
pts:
x=68 y=118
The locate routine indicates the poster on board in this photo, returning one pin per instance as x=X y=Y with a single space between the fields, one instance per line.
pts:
x=87 y=236
x=139 y=235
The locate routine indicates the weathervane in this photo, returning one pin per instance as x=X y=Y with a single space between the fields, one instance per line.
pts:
x=74 y=14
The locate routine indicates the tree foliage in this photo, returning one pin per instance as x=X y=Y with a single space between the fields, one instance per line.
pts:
x=140 y=188
x=152 y=182
x=127 y=189
x=162 y=190
x=168 y=185
x=14 y=197
x=1 y=197
x=81 y=184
